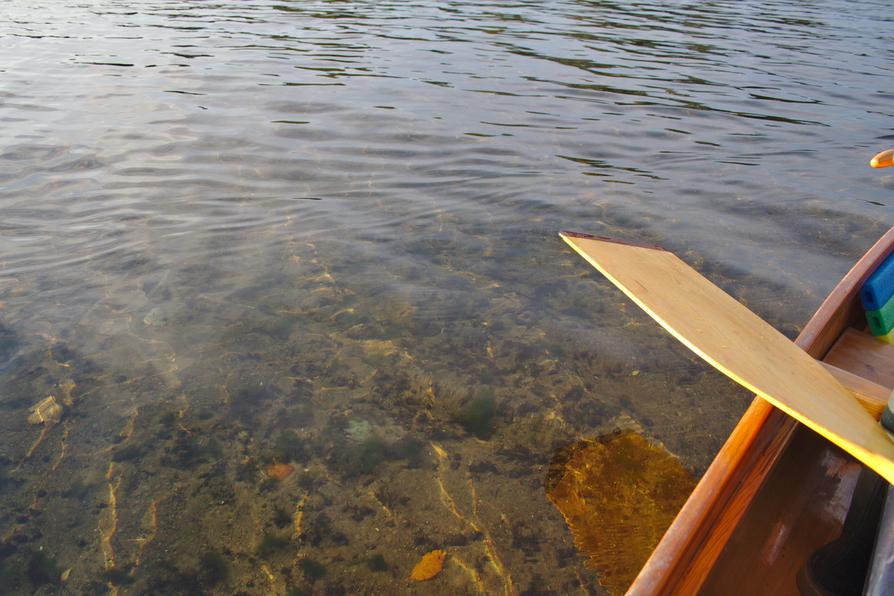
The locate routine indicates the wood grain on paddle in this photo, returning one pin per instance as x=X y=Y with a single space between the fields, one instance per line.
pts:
x=739 y=344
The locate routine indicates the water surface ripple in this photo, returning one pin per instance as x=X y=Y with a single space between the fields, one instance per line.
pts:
x=291 y=269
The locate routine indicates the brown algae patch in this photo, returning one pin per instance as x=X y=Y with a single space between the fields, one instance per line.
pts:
x=618 y=494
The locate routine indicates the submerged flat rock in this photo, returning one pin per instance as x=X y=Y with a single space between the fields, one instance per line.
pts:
x=155 y=318
x=47 y=412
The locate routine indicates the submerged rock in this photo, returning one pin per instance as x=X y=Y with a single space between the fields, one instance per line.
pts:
x=358 y=430
x=478 y=415
x=155 y=318
x=47 y=411
x=279 y=471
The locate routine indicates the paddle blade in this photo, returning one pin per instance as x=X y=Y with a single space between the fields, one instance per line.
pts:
x=739 y=344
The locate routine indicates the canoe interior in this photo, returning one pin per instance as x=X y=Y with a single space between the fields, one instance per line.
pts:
x=776 y=490
x=862 y=354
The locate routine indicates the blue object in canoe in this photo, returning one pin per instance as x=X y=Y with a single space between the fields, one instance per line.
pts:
x=879 y=288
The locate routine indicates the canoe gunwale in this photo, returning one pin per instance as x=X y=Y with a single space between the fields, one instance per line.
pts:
x=686 y=554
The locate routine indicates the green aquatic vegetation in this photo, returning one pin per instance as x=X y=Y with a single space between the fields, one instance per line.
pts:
x=270 y=544
x=184 y=453
x=278 y=328
x=534 y=433
x=249 y=400
x=376 y=562
x=60 y=352
x=371 y=452
x=12 y=574
x=128 y=452
x=42 y=569
x=168 y=419
x=281 y=517
x=7 y=480
x=246 y=471
x=478 y=415
x=167 y=423
x=312 y=570
x=309 y=479
x=376 y=360
x=117 y=576
x=288 y=447
x=409 y=449
x=356 y=459
x=190 y=450
x=78 y=490
x=268 y=485
x=213 y=568
x=164 y=577
x=334 y=430
x=389 y=383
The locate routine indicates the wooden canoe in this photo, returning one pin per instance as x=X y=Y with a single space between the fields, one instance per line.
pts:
x=776 y=492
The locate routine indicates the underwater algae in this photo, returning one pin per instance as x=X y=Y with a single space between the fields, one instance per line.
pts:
x=618 y=494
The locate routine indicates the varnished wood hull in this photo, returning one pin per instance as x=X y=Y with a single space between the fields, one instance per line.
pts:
x=766 y=501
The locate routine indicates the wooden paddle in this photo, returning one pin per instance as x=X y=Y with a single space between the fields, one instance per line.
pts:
x=739 y=344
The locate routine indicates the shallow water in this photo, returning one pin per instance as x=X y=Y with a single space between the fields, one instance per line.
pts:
x=323 y=234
